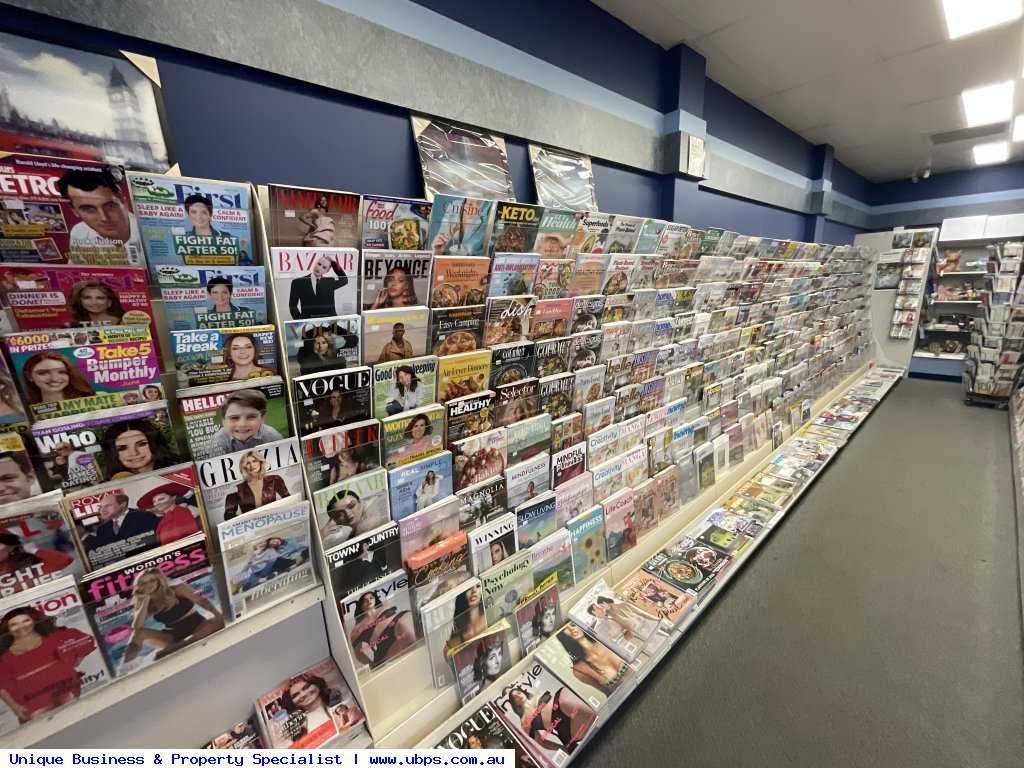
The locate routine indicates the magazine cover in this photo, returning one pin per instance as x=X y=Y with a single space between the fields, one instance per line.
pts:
x=458 y=159
x=459 y=225
x=352 y=507
x=310 y=283
x=404 y=385
x=551 y=318
x=689 y=566
x=245 y=735
x=482 y=660
x=455 y=330
x=213 y=297
x=528 y=438
x=568 y=464
x=557 y=233
x=507 y=319
x=51 y=212
x=544 y=714
x=409 y=437
x=364 y=559
x=44 y=297
x=469 y=415
x=603 y=445
x=396 y=280
x=573 y=497
x=618 y=624
x=620 y=522
x=110 y=444
x=511 y=363
x=492 y=543
x=539 y=614
x=513 y=274
x=556 y=394
x=505 y=585
x=312 y=218
x=154 y=604
x=528 y=479
x=459 y=281
x=417 y=485
x=394 y=223
x=554 y=277
x=515 y=227
x=566 y=431
x=552 y=556
x=394 y=334
x=420 y=531
x=13 y=414
x=553 y=356
x=310 y=709
x=265 y=556
x=224 y=418
x=127 y=517
x=463 y=374
x=51 y=654
x=62 y=373
x=479 y=458
x=38 y=541
x=585 y=350
x=229 y=483
x=484 y=730
x=516 y=402
x=482 y=502
x=597 y=415
x=536 y=520
x=589 y=388
x=192 y=221
x=332 y=399
x=580 y=661
x=449 y=621
x=314 y=346
x=656 y=597
x=589 y=551
x=217 y=355
x=650 y=236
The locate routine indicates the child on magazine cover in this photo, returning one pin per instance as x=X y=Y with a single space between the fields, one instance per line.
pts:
x=242 y=419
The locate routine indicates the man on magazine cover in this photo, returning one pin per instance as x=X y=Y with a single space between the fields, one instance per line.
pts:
x=134 y=530
x=313 y=295
x=96 y=198
x=398 y=348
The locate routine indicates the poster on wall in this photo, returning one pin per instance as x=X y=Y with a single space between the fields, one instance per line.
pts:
x=563 y=179
x=80 y=105
x=461 y=161
x=696 y=157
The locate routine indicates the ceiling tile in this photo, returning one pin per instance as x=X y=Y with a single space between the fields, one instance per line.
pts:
x=902 y=26
x=707 y=16
x=656 y=22
x=722 y=69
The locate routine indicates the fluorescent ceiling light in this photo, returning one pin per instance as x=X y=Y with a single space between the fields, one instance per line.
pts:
x=964 y=17
x=987 y=154
x=1018 y=128
x=988 y=104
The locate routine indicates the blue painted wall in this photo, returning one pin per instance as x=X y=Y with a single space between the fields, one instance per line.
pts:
x=839 y=234
x=995 y=178
x=850 y=183
x=701 y=208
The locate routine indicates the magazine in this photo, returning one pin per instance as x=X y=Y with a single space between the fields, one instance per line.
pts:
x=528 y=479
x=689 y=566
x=127 y=517
x=566 y=431
x=459 y=281
x=482 y=502
x=528 y=438
x=552 y=556
x=192 y=221
x=656 y=597
x=589 y=551
x=38 y=539
x=618 y=624
x=516 y=402
x=245 y=735
x=310 y=283
x=479 y=458
x=417 y=485
x=536 y=520
x=511 y=363
x=224 y=418
x=62 y=373
x=228 y=482
x=505 y=585
x=404 y=385
x=515 y=227
x=568 y=464
x=449 y=621
x=554 y=277
x=396 y=280
x=482 y=660
x=551 y=318
x=40 y=220
x=412 y=436
x=513 y=274
x=492 y=542
x=423 y=529
x=463 y=374
x=310 y=710
x=217 y=355
x=332 y=399
x=394 y=223
x=352 y=507
x=507 y=319
x=364 y=559
x=77 y=451
x=138 y=600
x=213 y=297
x=454 y=330
x=265 y=555
x=469 y=415
x=620 y=522
x=314 y=346
x=378 y=621
x=394 y=334
x=573 y=497
x=557 y=232
x=553 y=356
x=62 y=661
x=312 y=218
x=484 y=730
x=459 y=225
x=592 y=671
x=539 y=614
x=556 y=394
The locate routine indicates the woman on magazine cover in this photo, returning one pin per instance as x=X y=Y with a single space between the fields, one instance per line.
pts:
x=618 y=619
x=175 y=607
x=11 y=409
x=380 y=633
x=348 y=516
x=318 y=354
x=405 y=394
x=241 y=353
x=468 y=620
x=219 y=289
x=135 y=447
x=592 y=662
x=490 y=663
x=174 y=510
x=256 y=489
x=93 y=302
x=39 y=662
x=243 y=422
x=200 y=212
x=25 y=567
x=270 y=557
x=307 y=699
x=321 y=226
x=554 y=721
x=544 y=621
x=398 y=290
x=49 y=377
x=427 y=491
x=417 y=437
x=349 y=462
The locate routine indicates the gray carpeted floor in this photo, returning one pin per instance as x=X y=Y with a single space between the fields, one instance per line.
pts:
x=880 y=625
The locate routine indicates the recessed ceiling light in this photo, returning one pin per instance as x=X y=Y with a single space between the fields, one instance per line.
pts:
x=987 y=154
x=1018 y=128
x=988 y=104
x=964 y=17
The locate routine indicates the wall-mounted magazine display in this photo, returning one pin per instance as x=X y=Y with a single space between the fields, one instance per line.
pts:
x=482 y=660
x=146 y=608
x=312 y=283
x=417 y=485
x=394 y=224
x=394 y=334
x=237 y=483
x=539 y=614
x=449 y=622
x=212 y=297
x=409 y=437
x=505 y=585
x=404 y=385
x=61 y=660
x=310 y=710
x=48 y=213
x=312 y=218
x=84 y=450
x=545 y=715
x=188 y=221
x=40 y=543
x=483 y=727
x=352 y=507
x=364 y=559
x=620 y=625
x=127 y=517
x=44 y=297
x=563 y=179
x=265 y=555
x=515 y=227
x=225 y=418
x=62 y=373
x=314 y=346
x=217 y=355
x=378 y=622
x=458 y=159
x=332 y=399
x=335 y=454
x=459 y=226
